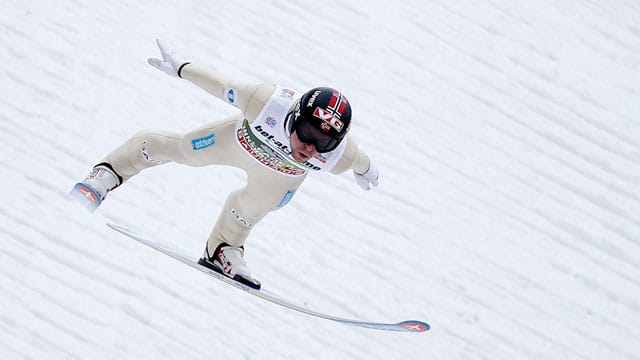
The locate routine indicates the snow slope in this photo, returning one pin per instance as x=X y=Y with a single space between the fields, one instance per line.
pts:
x=507 y=133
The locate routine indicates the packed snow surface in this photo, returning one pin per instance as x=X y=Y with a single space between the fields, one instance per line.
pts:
x=507 y=134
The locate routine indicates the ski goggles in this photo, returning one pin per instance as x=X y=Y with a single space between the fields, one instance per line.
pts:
x=309 y=134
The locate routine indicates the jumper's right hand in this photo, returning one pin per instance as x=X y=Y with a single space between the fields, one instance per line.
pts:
x=370 y=177
x=171 y=62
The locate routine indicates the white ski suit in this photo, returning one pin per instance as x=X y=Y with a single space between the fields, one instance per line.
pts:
x=254 y=140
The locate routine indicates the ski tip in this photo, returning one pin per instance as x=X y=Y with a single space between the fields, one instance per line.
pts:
x=86 y=196
x=414 y=326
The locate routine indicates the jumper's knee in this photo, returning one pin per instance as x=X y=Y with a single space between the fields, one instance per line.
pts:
x=144 y=150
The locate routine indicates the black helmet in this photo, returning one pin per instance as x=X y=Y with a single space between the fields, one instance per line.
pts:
x=320 y=117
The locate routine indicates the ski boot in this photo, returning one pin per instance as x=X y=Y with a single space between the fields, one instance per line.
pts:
x=229 y=261
x=94 y=188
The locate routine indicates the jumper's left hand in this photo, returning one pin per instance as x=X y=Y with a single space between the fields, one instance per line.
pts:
x=171 y=62
x=370 y=177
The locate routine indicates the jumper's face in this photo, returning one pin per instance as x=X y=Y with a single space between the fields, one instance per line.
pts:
x=301 y=151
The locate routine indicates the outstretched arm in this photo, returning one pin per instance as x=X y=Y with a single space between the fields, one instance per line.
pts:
x=250 y=98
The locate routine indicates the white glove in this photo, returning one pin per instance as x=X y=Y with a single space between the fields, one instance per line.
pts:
x=371 y=177
x=171 y=62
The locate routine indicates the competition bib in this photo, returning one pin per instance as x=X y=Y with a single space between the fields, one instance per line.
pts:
x=266 y=140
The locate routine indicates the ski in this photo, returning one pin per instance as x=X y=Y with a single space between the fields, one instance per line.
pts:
x=403 y=326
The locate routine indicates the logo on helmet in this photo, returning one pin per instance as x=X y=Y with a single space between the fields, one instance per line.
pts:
x=313 y=98
x=297 y=111
x=328 y=118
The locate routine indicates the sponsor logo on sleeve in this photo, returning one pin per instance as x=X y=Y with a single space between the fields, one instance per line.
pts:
x=203 y=142
x=231 y=96
x=287 y=197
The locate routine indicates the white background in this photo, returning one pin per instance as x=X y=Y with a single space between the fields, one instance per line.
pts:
x=507 y=134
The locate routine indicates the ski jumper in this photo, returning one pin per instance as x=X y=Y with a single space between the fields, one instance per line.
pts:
x=254 y=140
